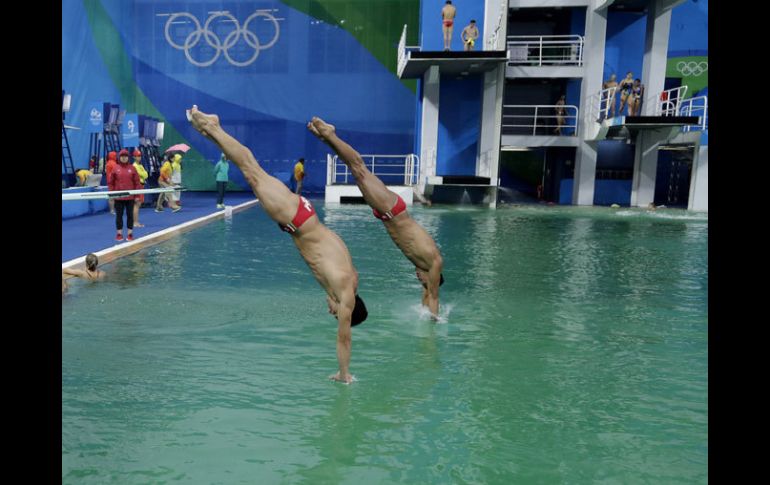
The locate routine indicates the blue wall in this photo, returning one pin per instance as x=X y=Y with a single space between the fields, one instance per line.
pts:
x=431 y=33
x=689 y=29
x=315 y=68
x=624 y=48
x=459 y=125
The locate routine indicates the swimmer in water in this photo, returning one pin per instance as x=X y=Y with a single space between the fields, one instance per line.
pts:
x=91 y=273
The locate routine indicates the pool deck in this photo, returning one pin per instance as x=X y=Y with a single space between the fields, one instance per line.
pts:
x=95 y=233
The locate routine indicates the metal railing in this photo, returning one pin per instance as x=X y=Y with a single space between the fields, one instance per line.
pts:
x=697 y=106
x=386 y=167
x=402 y=51
x=599 y=104
x=545 y=50
x=540 y=116
x=493 y=43
x=668 y=101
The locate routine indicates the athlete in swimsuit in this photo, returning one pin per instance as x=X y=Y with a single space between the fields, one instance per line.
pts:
x=323 y=250
x=389 y=207
x=447 y=23
x=91 y=273
x=625 y=86
x=635 y=103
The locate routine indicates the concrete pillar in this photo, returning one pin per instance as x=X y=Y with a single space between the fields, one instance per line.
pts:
x=491 y=117
x=699 y=181
x=593 y=61
x=646 y=166
x=655 y=54
x=429 y=133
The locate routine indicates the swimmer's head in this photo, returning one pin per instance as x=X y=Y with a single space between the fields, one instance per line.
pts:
x=359 y=312
x=92 y=262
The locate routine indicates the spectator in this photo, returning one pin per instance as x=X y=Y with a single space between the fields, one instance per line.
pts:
x=111 y=163
x=299 y=175
x=140 y=170
x=176 y=177
x=221 y=170
x=164 y=181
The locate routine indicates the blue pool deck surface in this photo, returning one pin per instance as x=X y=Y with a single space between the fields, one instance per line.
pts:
x=95 y=232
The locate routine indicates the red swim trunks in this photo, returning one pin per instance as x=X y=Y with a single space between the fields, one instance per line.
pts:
x=396 y=210
x=304 y=212
x=449 y=23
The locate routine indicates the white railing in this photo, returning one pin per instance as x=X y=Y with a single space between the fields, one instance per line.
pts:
x=545 y=50
x=390 y=172
x=494 y=43
x=542 y=116
x=402 y=51
x=695 y=107
x=599 y=104
x=668 y=101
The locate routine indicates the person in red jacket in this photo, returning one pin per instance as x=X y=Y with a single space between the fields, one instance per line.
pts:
x=124 y=177
x=112 y=158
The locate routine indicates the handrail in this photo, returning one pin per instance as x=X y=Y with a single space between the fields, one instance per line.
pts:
x=410 y=175
x=402 y=52
x=599 y=104
x=687 y=108
x=542 y=112
x=539 y=50
x=668 y=101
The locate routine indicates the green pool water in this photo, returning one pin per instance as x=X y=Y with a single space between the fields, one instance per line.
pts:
x=573 y=348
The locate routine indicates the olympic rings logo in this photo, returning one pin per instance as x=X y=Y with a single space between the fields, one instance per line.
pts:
x=220 y=46
x=692 y=68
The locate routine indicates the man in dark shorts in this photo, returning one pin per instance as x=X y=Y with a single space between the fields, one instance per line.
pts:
x=322 y=249
x=410 y=237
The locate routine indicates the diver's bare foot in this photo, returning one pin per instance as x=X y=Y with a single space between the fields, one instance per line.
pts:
x=320 y=128
x=202 y=122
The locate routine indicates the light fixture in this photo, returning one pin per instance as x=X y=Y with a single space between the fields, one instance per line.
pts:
x=159 y=130
x=515 y=149
x=66 y=102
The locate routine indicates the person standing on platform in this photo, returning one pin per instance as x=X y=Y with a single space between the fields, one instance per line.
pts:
x=140 y=170
x=124 y=177
x=469 y=35
x=176 y=178
x=299 y=175
x=447 y=23
x=221 y=170
x=111 y=163
x=164 y=181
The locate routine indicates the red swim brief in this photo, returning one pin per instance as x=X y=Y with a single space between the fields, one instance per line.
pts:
x=396 y=210
x=304 y=212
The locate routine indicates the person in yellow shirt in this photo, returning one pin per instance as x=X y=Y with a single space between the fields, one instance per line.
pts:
x=140 y=170
x=299 y=174
x=164 y=180
x=82 y=176
x=176 y=178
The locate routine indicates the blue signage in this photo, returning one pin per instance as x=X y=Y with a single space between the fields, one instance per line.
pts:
x=130 y=130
